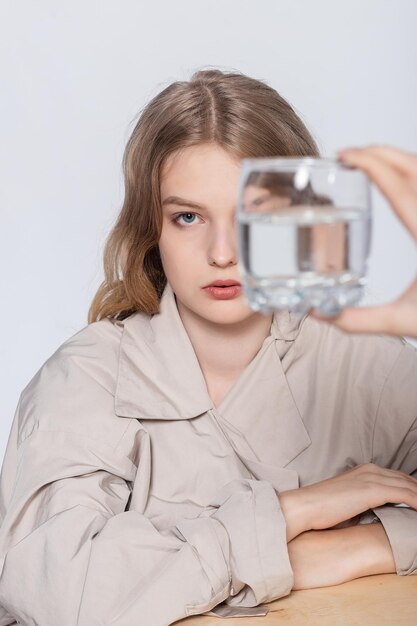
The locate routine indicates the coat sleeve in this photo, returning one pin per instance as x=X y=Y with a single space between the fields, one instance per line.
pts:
x=72 y=553
x=395 y=446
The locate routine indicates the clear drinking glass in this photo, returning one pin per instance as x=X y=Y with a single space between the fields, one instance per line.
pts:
x=304 y=227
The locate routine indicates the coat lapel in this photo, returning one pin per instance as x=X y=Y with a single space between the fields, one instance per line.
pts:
x=260 y=405
x=160 y=377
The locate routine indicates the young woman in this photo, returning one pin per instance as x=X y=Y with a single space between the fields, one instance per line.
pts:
x=183 y=454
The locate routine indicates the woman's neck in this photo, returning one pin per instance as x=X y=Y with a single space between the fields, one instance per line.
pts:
x=224 y=350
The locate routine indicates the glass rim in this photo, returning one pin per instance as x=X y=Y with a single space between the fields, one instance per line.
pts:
x=292 y=162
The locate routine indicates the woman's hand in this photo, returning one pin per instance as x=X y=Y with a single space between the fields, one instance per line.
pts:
x=320 y=558
x=394 y=171
x=329 y=502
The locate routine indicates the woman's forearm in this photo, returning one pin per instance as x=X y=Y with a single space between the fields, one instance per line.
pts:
x=320 y=558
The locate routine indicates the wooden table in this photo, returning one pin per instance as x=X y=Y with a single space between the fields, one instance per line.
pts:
x=386 y=600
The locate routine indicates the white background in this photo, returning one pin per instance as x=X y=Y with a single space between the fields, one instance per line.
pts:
x=74 y=75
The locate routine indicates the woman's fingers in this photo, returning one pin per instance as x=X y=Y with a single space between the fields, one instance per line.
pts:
x=388 y=486
x=396 y=474
x=401 y=495
x=332 y=501
x=378 y=319
x=395 y=318
x=362 y=320
x=397 y=182
x=402 y=160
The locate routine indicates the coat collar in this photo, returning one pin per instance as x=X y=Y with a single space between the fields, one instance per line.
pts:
x=159 y=377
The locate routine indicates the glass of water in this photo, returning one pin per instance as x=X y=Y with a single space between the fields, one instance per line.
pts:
x=304 y=227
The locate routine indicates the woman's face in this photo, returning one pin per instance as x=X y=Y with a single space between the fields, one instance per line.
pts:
x=198 y=240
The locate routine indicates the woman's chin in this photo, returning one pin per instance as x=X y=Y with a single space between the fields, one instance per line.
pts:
x=226 y=312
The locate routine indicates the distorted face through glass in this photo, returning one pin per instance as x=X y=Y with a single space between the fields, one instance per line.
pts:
x=319 y=247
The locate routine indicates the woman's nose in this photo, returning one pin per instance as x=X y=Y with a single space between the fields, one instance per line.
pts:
x=222 y=248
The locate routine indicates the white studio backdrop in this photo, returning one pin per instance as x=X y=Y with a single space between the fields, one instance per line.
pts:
x=74 y=75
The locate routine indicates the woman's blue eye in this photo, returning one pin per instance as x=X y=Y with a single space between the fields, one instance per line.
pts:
x=186 y=215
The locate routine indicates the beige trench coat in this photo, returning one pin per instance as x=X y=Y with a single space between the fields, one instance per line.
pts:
x=128 y=499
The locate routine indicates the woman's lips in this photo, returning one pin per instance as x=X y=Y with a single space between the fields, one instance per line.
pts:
x=223 y=293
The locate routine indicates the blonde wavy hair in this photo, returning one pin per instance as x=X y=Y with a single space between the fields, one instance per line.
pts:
x=243 y=115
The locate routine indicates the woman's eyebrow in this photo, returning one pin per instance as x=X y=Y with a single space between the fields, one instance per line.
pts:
x=182 y=202
x=187 y=203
